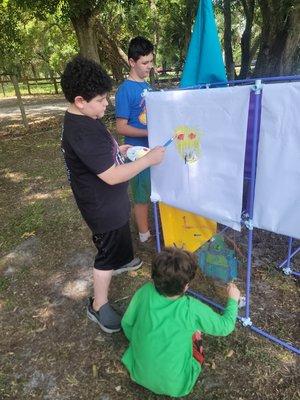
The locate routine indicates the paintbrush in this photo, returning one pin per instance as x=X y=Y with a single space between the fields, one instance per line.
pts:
x=169 y=141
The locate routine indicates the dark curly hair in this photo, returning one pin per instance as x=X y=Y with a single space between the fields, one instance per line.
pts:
x=172 y=269
x=138 y=47
x=83 y=77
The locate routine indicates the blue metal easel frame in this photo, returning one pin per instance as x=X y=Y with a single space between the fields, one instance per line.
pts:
x=246 y=319
x=285 y=266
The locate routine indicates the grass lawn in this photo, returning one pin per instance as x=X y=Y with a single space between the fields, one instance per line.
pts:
x=49 y=350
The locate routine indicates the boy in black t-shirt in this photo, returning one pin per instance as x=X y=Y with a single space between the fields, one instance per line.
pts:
x=98 y=178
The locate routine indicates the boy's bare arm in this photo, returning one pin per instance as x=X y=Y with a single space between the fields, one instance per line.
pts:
x=127 y=130
x=122 y=173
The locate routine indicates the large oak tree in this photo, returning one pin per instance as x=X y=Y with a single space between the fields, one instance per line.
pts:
x=280 y=38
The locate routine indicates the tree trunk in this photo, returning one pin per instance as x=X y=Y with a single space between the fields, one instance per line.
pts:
x=114 y=54
x=85 y=33
x=190 y=15
x=227 y=40
x=291 y=55
x=280 y=38
x=33 y=69
x=2 y=85
x=117 y=71
x=53 y=80
x=254 y=46
x=248 y=6
x=19 y=98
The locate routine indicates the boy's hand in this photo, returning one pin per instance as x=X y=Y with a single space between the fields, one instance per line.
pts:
x=124 y=147
x=155 y=155
x=233 y=291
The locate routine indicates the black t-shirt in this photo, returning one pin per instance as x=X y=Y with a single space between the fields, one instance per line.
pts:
x=89 y=149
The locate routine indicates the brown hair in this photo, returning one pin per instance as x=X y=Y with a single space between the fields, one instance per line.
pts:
x=172 y=269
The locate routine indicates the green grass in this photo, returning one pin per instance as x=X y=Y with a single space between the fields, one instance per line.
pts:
x=34 y=89
x=4 y=283
x=25 y=222
x=48 y=88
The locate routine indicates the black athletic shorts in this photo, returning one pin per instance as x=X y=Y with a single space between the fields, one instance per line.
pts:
x=114 y=248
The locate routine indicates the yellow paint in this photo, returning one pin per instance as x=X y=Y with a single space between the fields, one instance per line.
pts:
x=187 y=141
x=143 y=117
x=184 y=229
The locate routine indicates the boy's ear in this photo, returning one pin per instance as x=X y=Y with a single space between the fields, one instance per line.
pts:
x=131 y=62
x=79 y=102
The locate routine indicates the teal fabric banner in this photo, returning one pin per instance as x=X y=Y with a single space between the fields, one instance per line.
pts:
x=204 y=62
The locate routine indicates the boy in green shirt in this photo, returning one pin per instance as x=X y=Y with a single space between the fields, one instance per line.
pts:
x=162 y=324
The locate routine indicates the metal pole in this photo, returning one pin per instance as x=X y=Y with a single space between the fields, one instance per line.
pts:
x=257 y=103
x=292 y=255
x=244 y=81
x=157 y=230
x=275 y=339
x=290 y=242
x=261 y=332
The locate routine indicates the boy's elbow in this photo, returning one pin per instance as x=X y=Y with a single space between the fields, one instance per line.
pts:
x=227 y=330
x=112 y=181
x=223 y=329
x=108 y=179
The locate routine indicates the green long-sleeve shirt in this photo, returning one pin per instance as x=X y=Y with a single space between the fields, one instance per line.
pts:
x=160 y=329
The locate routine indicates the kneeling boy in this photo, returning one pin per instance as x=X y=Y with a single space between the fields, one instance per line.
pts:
x=164 y=326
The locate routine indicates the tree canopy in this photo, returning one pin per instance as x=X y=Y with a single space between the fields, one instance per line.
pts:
x=38 y=37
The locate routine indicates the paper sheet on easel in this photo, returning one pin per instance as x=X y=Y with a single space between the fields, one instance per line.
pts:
x=277 y=190
x=203 y=168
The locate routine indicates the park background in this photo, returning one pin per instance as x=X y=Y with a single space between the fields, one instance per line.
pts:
x=48 y=349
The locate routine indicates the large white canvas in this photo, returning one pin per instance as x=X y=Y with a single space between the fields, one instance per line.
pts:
x=277 y=192
x=212 y=186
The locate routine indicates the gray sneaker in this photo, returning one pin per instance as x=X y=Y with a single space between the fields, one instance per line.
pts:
x=133 y=265
x=106 y=317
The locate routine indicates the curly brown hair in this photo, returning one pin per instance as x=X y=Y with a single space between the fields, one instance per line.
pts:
x=84 y=77
x=172 y=270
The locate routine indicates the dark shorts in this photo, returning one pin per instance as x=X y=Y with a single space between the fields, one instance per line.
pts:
x=114 y=248
x=141 y=187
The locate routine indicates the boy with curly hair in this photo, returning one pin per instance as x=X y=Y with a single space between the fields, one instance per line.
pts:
x=98 y=177
x=164 y=326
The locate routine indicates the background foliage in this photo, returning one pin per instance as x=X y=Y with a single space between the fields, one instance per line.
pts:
x=37 y=37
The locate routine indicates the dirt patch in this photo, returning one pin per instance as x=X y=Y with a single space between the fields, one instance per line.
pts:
x=49 y=350
x=44 y=113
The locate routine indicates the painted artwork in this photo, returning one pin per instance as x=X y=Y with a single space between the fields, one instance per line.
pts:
x=203 y=168
x=187 y=142
x=184 y=229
